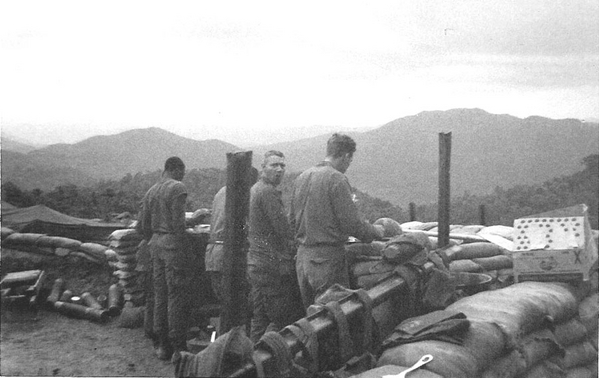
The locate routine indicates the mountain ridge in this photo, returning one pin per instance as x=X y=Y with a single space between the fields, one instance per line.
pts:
x=396 y=161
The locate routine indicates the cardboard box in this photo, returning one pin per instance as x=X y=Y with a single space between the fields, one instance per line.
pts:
x=554 y=246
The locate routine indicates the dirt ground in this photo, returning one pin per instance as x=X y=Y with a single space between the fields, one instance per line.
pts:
x=52 y=344
x=55 y=345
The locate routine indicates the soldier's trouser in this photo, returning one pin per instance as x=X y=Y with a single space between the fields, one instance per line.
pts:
x=147 y=285
x=275 y=301
x=318 y=268
x=171 y=262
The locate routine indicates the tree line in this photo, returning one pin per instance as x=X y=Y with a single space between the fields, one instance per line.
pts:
x=108 y=198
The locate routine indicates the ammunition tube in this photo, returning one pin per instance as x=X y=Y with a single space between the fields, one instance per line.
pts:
x=66 y=296
x=102 y=300
x=115 y=295
x=57 y=289
x=90 y=301
x=81 y=312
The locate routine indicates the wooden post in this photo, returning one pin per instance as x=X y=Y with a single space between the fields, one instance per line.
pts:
x=444 y=188
x=412 y=211
x=234 y=308
x=482 y=215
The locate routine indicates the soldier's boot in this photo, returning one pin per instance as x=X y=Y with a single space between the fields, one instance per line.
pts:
x=164 y=351
x=178 y=347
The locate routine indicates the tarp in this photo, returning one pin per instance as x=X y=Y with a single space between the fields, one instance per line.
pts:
x=42 y=219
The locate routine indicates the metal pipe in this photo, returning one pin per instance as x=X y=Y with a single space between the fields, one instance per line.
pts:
x=351 y=307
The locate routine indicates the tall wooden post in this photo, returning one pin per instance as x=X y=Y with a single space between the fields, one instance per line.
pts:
x=234 y=308
x=482 y=215
x=444 y=188
x=412 y=206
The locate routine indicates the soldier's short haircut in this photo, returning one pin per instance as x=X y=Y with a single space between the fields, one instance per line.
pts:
x=172 y=163
x=270 y=153
x=340 y=144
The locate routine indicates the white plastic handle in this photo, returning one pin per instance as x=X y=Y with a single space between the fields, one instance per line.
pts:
x=423 y=360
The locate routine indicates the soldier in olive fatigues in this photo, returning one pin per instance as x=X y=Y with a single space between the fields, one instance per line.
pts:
x=163 y=216
x=323 y=216
x=274 y=293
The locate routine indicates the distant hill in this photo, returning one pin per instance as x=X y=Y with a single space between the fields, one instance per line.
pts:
x=28 y=173
x=399 y=161
x=9 y=144
x=113 y=156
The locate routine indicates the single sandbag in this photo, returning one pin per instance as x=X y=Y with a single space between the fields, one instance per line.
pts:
x=450 y=360
x=581 y=372
x=382 y=371
x=545 y=369
x=558 y=300
x=520 y=308
x=85 y=256
x=6 y=232
x=509 y=366
x=125 y=251
x=576 y=355
x=593 y=339
x=538 y=346
x=355 y=251
x=435 y=242
x=420 y=226
x=130 y=258
x=465 y=266
x=476 y=250
x=495 y=262
x=570 y=332
x=499 y=230
x=93 y=249
x=126 y=234
x=366 y=274
x=390 y=226
x=124 y=244
x=68 y=243
x=467 y=230
x=21 y=239
x=485 y=341
x=125 y=267
x=588 y=312
x=110 y=254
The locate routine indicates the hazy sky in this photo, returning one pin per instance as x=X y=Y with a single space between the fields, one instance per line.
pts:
x=240 y=70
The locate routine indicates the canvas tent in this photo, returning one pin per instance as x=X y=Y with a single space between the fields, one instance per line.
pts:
x=43 y=220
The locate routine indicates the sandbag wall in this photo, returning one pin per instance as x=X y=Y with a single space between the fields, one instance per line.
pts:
x=53 y=245
x=122 y=252
x=482 y=257
x=530 y=329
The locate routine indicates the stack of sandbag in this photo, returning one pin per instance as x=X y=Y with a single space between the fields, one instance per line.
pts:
x=481 y=257
x=54 y=245
x=500 y=322
x=375 y=261
x=124 y=244
x=567 y=348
